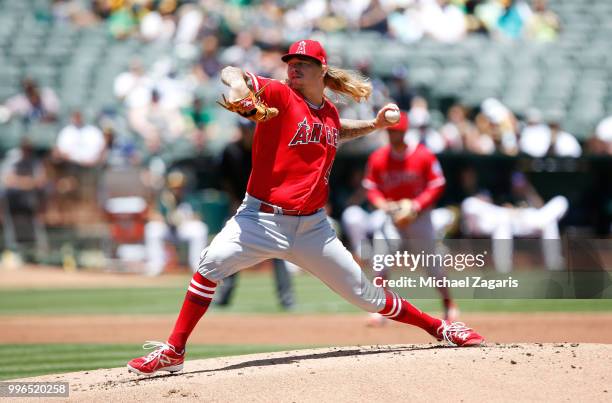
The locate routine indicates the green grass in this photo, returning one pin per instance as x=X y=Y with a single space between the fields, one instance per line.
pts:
x=255 y=294
x=20 y=361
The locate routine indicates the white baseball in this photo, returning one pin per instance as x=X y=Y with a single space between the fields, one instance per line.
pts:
x=392 y=115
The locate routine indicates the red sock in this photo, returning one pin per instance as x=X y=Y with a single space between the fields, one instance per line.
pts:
x=397 y=308
x=198 y=298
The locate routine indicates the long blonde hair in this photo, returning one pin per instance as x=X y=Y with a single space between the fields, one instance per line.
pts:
x=348 y=82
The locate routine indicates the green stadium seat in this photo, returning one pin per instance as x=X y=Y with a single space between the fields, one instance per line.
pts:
x=56 y=53
x=472 y=99
x=43 y=74
x=10 y=134
x=551 y=114
x=43 y=135
x=8 y=89
x=423 y=76
x=9 y=74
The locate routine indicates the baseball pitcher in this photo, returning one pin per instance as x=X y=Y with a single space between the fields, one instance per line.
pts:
x=298 y=132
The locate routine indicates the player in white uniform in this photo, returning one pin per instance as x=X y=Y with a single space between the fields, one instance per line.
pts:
x=282 y=215
x=525 y=215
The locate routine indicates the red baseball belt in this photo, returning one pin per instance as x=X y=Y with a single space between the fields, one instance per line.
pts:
x=267 y=208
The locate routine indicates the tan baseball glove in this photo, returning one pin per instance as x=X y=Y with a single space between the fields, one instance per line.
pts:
x=251 y=107
x=403 y=213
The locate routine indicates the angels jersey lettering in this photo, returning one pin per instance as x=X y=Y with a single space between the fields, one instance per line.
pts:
x=415 y=174
x=294 y=152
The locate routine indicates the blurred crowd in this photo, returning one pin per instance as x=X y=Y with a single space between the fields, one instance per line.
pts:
x=160 y=111
x=161 y=105
x=277 y=21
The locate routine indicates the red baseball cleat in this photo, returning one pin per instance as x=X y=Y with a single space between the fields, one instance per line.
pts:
x=164 y=358
x=459 y=335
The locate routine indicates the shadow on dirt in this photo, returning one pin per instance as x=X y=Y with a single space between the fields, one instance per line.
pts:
x=291 y=359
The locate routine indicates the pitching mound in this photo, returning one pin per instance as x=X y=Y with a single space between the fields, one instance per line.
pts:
x=544 y=372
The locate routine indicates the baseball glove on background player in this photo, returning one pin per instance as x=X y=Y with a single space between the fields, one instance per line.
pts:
x=403 y=212
x=251 y=107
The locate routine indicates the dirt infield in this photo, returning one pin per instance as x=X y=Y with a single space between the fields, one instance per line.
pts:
x=300 y=329
x=564 y=369
x=52 y=277
x=416 y=373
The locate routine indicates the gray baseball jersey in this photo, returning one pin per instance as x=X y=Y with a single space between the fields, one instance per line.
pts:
x=310 y=242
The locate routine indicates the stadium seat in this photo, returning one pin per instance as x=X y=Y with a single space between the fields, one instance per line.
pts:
x=43 y=135
x=10 y=135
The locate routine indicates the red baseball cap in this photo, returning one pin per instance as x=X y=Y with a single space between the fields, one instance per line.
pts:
x=308 y=48
x=402 y=125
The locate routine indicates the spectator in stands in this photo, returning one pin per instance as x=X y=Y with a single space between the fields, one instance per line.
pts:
x=209 y=65
x=544 y=24
x=156 y=123
x=400 y=89
x=174 y=219
x=34 y=104
x=24 y=180
x=268 y=24
x=243 y=52
x=333 y=21
x=198 y=116
x=133 y=86
x=502 y=127
x=504 y=19
x=67 y=11
x=458 y=130
x=420 y=129
x=535 y=136
x=190 y=18
x=514 y=15
x=158 y=24
x=562 y=143
x=444 y=21
x=482 y=143
x=538 y=139
x=303 y=18
x=504 y=138
x=123 y=21
x=405 y=23
x=473 y=22
x=122 y=150
x=601 y=141
x=174 y=91
x=80 y=144
x=102 y=8
x=374 y=18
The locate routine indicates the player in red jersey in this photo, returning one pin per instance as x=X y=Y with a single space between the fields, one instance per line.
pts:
x=282 y=215
x=404 y=169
